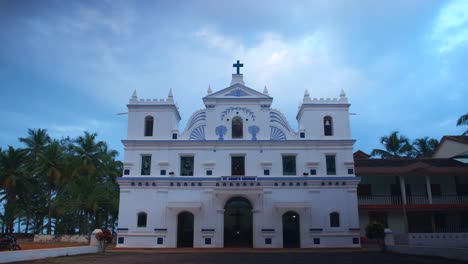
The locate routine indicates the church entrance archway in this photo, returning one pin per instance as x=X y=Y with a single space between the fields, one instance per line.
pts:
x=238 y=222
x=185 y=229
x=291 y=230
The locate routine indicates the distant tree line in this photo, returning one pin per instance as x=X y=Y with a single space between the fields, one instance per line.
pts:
x=399 y=146
x=65 y=186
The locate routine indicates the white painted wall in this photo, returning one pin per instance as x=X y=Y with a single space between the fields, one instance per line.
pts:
x=24 y=255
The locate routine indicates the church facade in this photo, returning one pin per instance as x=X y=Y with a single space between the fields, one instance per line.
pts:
x=238 y=175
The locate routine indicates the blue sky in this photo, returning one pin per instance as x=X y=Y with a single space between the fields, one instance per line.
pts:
x=70 y=66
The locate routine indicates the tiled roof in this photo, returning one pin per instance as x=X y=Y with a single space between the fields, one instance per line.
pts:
x=406 y=162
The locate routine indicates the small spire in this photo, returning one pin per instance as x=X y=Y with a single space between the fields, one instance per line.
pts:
x=170 y=93
x=134 y=98
x=306 y=93
x=209 y=89
x=265 y=90
x=342 y=94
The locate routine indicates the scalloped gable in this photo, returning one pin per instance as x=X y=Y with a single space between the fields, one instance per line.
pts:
x=237 y=91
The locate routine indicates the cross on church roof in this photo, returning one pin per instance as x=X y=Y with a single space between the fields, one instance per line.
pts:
x=238 y=65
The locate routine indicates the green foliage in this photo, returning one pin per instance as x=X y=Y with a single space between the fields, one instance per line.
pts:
x=396 y=146
x=67 y=186
x=463 y=121
x=375 y=230
x=424 y=147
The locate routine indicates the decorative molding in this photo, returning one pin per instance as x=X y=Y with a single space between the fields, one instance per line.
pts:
x=220 y=132
x=253 y=130
x=242 y=109
x=237 y=93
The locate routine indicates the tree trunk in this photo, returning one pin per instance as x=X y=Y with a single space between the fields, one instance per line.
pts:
x=49 y=205
x=107 y=218
x=27 y=224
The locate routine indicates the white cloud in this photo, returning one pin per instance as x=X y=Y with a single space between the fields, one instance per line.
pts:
x=77 y=129
x=451 y=26
x=214 y=39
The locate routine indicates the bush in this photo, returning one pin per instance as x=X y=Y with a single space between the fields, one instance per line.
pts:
x=375 y=230
x=105 y=236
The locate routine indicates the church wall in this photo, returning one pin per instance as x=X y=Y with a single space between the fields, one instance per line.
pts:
x=218 y=159
x=165 y=122
x=266 y=138
x=311 y=120
x=163 y=205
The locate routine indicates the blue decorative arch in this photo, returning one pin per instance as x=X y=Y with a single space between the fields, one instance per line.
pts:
x=276 y=134
x=198 y=133
x=237 y=108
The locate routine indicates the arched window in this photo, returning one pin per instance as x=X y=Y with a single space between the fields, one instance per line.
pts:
x=141 y=221
x=328 y=126
x=335 y=219
x=149 y=126
x=237 y=127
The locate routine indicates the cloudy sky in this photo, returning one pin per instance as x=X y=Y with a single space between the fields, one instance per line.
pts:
x=71 y=66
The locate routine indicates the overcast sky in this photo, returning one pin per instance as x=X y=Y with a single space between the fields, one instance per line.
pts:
x=71 y=66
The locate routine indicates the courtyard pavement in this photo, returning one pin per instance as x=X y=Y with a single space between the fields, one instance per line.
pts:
x=251 y=256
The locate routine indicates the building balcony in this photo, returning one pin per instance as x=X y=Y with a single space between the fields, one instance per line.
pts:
x=417 y=201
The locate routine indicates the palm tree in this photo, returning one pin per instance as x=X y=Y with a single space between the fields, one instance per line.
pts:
x=36 y=143
x=88 y=153
x=424 y=147
x=11 y=177
x=463 y=120
x=395 y=147
x=51 y=164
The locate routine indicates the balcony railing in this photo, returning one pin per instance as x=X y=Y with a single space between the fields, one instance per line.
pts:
x=412 y=199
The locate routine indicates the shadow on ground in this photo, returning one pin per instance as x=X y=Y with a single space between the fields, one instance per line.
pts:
x=271 y=257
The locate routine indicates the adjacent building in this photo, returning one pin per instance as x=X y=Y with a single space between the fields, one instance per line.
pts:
x=422 y=200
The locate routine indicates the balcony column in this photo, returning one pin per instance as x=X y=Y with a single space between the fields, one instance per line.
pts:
x=403 y=189
x=428 y=189
x=403 y=197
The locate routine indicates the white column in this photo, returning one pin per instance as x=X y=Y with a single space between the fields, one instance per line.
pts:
x=428 y=188
x=403 y=189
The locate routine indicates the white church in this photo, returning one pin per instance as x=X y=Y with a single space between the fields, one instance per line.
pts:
x=238 y=175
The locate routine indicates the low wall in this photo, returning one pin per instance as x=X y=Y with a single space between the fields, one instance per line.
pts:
x=438 y=239
x=61 y=238
x=445 y=252
x=22 y=255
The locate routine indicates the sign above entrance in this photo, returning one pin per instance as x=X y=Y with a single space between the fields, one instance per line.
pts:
x=238 y=178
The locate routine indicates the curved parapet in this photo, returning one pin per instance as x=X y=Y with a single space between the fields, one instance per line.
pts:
x=196 y=120
x=279 y=126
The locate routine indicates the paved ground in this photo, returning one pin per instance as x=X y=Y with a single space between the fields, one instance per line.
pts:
x=245 y=257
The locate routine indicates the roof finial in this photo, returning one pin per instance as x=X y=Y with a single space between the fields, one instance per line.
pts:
x=342 y=94
x=265 y=90
x=170 y=94
x=209 y=90
x=306 y=93
x=134 y=95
